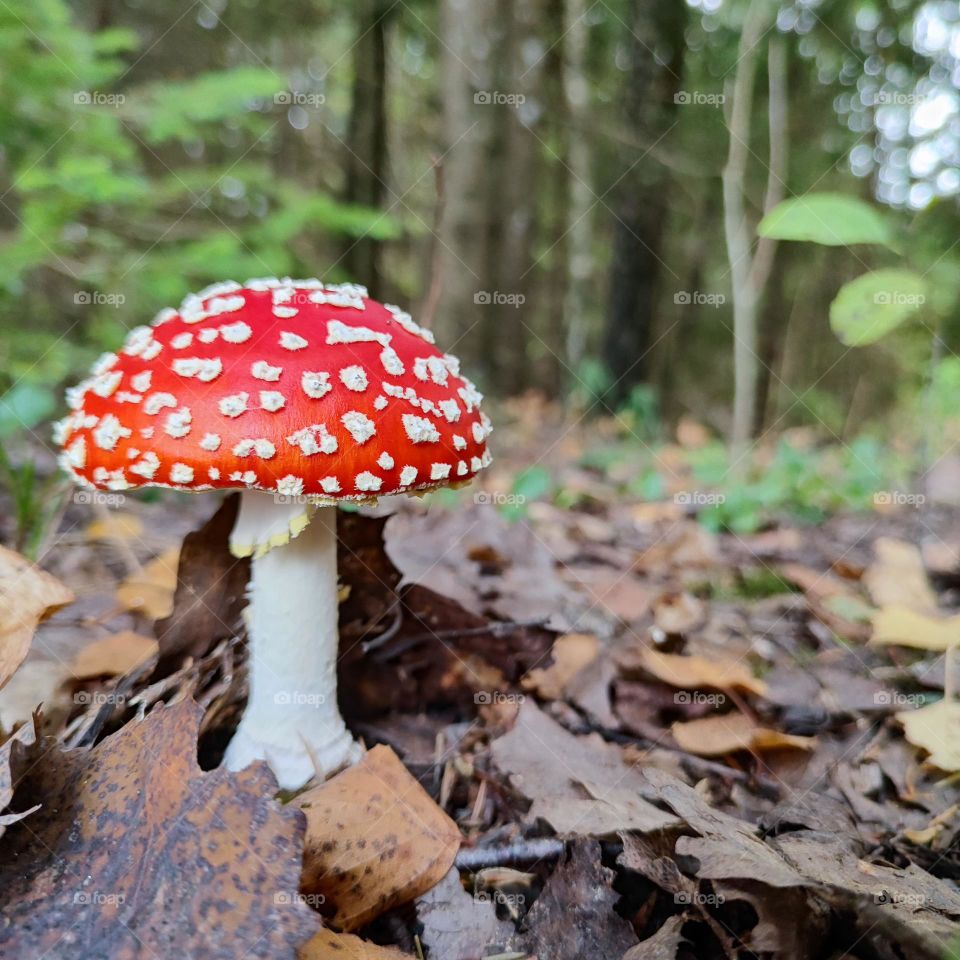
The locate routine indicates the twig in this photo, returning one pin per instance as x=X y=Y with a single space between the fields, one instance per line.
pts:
x=436 y=253
x=522 y=851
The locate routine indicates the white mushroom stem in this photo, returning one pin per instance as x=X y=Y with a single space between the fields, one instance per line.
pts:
x=292 y=720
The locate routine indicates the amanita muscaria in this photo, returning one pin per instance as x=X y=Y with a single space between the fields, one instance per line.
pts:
x=300 y=394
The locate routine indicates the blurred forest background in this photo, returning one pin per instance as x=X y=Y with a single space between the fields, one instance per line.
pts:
x=568 y=191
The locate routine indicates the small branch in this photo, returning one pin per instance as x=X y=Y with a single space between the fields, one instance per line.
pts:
x=437 y=260
x=522 y=851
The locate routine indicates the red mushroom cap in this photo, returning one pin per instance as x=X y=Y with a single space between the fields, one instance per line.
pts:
x=291 y=386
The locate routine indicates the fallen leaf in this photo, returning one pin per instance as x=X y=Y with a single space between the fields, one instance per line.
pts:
x=329 y=944
x=135 y=852
x=574 y=916
x=375 y=839
x=678 y=612
x=902 y=626
x=729 y=732
x=693 y=672
x=209 y=592
x=663 y=945
x=115 y=525
x=898 y=576
x=150 y=591
x=26 y=736
x=36 y=682
x=692 y=435
x=580 y=785
x=935 y=728
x=114 y=655
x=571 y=653
x=620 y=594
x=27 y=595
x=457 y=926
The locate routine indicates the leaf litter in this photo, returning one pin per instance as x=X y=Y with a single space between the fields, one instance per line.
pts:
x=611 y=733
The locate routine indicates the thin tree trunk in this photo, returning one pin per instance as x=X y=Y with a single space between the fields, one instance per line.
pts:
x=366 y=140
x=641 y=194
x=748 y=270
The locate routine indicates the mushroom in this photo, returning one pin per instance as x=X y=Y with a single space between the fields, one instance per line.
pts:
x=302 y=395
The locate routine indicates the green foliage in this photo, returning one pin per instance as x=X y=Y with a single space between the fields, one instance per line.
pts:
x=833 y=219
x=869 y=307
x=24 y=407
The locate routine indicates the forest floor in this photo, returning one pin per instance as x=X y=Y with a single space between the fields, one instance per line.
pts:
x=656 y=742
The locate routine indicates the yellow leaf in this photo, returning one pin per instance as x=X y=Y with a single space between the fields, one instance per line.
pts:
x=150 y=592
x=693 y=672
x=375 y=839
x=345 y=946
x=898 y=576
x=27 y=595
x=936 y=729
x=571 y=653
x=115 y=526
x=716 y=736
x=905 y=627
x=113 y=655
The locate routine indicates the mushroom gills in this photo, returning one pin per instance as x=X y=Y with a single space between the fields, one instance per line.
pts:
x=292 y=719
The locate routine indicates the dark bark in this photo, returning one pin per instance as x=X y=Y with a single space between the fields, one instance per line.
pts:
x=641 y=203
x=366 y=140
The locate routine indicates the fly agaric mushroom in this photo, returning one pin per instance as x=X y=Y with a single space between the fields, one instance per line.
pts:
x=300 y=394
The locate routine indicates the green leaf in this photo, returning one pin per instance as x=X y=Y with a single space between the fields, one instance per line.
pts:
x=869 y=307
x=23 y=407
x=833 y=219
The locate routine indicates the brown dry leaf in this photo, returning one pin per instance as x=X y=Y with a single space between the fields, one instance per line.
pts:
x=901 y=626
x=210 y=592
x=457 y=926
x=693 y=672
x=27 y=595
x=716 y=736
x=683 y=545
x=572 y=652
x=935 y=728
x=375 y=839
x=898 y=576
x=579 y=785
x=678 y=612
x=115 y=525
x=329 y=944
x=114 y=655
x=692 y=435
x=150 y=592
x=620 y=594
x=136 y=852
x=573 y=918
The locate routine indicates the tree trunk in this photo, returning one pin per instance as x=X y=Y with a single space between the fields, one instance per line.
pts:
x=641 y=193
x=366 y=140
